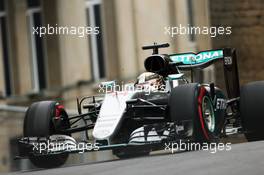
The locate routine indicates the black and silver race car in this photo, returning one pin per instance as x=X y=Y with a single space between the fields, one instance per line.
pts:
x=141 y=118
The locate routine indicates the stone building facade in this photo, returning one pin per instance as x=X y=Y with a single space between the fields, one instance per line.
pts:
x=247 y=21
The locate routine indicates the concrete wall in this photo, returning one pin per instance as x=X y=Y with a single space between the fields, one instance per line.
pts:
x=150 y=20
x=19 y=47
x=110 y=39
x=140 y=23
x=74 y=51
x=11 y=127
x=126 y=38
x=2 y=78
x=52 y=49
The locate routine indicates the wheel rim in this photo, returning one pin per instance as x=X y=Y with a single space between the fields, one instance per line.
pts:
x=208 y=113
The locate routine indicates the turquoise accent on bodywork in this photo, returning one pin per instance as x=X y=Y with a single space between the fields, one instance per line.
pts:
x=175 y=76
x=201 y=57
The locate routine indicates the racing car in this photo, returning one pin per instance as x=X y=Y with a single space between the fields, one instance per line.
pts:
x=164 y=105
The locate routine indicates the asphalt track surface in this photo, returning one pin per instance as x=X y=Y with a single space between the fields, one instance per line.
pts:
x=243 y=159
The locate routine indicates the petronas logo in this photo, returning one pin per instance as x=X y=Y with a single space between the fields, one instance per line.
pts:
x=202 y=57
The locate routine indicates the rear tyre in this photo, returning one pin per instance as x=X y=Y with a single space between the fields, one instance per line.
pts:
x=38 y=123
x=191 y=102
x=252 y=110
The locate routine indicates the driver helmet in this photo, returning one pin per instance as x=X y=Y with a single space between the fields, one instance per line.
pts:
x=150 y=80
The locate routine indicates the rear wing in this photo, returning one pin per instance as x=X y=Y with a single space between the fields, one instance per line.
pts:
x=201 y=59
x=188 y=61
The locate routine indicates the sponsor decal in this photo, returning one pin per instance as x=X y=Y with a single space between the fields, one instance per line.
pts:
x=202 y=57
x=221 y=103
x=228 y=60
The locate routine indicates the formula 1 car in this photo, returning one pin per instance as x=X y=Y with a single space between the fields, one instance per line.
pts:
x=133 y=122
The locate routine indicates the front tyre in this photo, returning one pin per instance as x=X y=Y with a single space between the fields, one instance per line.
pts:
x=191 y=102
x=38 y=123
x=126 y=153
